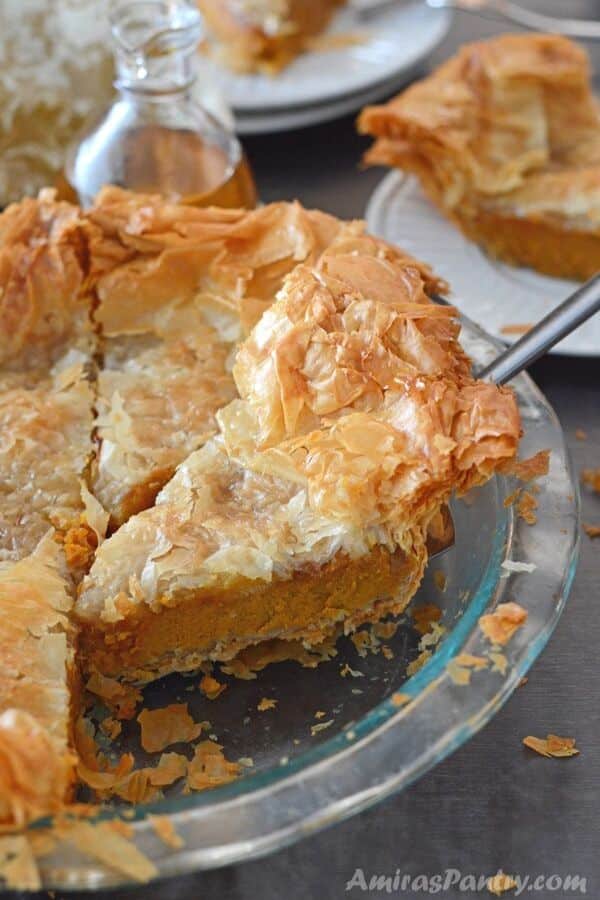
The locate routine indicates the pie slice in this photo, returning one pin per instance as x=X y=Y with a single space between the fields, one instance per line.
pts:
x=358 y=417
x=38 y=682
x=175 y=289
x=264 y=35
x=505 y=139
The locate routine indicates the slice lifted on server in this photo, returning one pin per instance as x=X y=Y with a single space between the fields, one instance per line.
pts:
x=358 y=418
x=505 y=139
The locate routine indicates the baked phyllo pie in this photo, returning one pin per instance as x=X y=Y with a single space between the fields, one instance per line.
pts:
x=176 y=288
x=37 y=686
x=269 y=407
x=505 y=139
x=264 y=35
x=358 y=417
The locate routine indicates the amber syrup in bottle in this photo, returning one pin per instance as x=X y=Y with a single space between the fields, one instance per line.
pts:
x=156 y=137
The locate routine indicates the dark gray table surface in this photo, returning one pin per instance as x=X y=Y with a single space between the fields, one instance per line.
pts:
x=493 y=803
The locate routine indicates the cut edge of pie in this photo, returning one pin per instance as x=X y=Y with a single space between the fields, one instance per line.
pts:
x=217 y=623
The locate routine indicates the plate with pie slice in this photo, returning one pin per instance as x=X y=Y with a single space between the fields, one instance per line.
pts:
x=504 y=139
x=352 y=55
x=506 y=299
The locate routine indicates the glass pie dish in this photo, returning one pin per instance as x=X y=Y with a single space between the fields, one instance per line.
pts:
x=369 y=743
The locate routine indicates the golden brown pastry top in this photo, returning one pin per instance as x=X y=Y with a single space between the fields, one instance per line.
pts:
x=151 y=294
x=44 y=309
x=35 y=775
x=357 y=418
x=142 y=256
x=507 y=121
x=156 y=403
x=355 y=385
x=149 y=256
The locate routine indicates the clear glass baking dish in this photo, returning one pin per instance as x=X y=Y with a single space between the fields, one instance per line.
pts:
x=300 y=783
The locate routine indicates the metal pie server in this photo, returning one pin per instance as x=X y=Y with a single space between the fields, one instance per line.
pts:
x=564 y=319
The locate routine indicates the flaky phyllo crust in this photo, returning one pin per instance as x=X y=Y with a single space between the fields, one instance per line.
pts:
x=240 y=425
x=508 y=129
x=176 y=288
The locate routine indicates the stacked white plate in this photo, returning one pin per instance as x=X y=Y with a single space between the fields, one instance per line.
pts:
x=321 y=85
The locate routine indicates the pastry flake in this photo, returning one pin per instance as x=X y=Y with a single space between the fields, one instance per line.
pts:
x=552 y=746
x=505 y=139
x=591 y=478
x=209 y=768
x=166 y=726
x=500 y=625
x=499 y=883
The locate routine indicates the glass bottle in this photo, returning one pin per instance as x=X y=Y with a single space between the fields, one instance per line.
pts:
x=156 y=137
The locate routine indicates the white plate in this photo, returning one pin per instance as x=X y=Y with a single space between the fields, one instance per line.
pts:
x=286 y=120
x=491 y=293
x=395 y=40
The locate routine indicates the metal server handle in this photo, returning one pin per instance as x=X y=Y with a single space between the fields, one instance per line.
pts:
x=577 y=308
